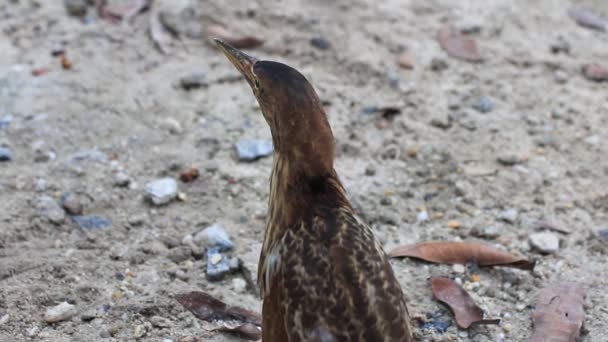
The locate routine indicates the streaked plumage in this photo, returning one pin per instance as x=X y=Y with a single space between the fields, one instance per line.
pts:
x=322 y=274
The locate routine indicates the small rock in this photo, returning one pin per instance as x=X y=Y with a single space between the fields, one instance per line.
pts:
x=5 y=154
x=509 y=215
x=77 y=8
x=90 y=222
x=162 y=191
x=320 y=43
x=89 y=155
x=4 y=318
x=484 y=104
x=370 y=170
x=561 y=76
x=140 y=331
x=560 y=46
x=441 y=121
x=219 y=265
x=239 y=285
x=458 y=268
x=160 y=322
x=33 y=331
x=508 y=159
x=252 y=149
x=422 y=216
x=603 y=233
x=122 y=179
x=41 y=185
x=454 y=224
x=491 y=232
x=214 y=236
x=179 y=254
x=48 y=208
x=469 y=25
x=188 y=175
x=71 y=203
x=405 y=61
x=544 y=242
x=595 y=72
x=105 y=333
x=61 y=312
x=193 y=81
x=171 y=125
x=438 y=64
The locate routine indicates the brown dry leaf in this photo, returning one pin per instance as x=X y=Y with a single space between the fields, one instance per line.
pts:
x=454 y=252
x=588 y=19
x=458 y=45
x=559 y=313
x=238 y=41
x=222 y=317
x=466 y=312
x=159 y=34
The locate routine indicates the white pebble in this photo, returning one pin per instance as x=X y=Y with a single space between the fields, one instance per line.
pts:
x=61 y=312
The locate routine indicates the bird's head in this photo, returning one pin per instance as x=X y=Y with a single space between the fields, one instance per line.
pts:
x=290 y=105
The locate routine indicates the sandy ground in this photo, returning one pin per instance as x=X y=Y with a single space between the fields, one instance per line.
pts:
x=111 y=110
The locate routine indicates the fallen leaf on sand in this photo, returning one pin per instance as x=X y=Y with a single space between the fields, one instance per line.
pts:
x=559 y=313
x=221 y=316
x=238 y=41
x=587 y=18
x=466 y=312
x=126 y=11
x=458 y=45
x=454 y=252
x=161 y=37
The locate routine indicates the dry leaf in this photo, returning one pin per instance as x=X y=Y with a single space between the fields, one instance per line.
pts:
x=458 y=45
x=453 y=252
x=466 y=312
x=587 y=18
x=161 y=37
x=238 y=41
x=222 y=317
x=559 y=313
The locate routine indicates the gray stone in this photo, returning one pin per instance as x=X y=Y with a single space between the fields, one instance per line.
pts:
x=5 y=154
x=239 y=285
x=179 y=254
x=544 y=242
x=90 y=222
x=320 y=43
x=61 y=312
x=77 y=8
x=162 y=191
x=89 y=155
x=5 y=121
x=252 y=149
x=50 y=209
x=41 y=185
x=122 y=179
x=172 y=125
x=219 y=265
x=71 y=203
x=484 y=104
x=508 y=159
x=509 y=215
x=214 y=236
x=193 y=81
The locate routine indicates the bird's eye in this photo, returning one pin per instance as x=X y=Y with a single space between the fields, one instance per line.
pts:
x=256 y=83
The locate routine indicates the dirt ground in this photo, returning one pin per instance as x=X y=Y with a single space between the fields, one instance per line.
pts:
x=120 y=109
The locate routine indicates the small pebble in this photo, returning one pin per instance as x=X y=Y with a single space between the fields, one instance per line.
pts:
x=239 y=285
x=219 y=265
x=458 y=268
x=560 y=76
x=162 y=191
x=507 y=327
x=4 y=318
x=61 y=312
x=214 y=236
x=509 y=215
x=320 y=43
x=252 y=149
x=77 y=8
x=193 y=81
x=422 y=216
x=595 y=72
x=463 y=334
x=438 y=64
x=139 y=331
x=90 y=222
x=454 y=224
x=5 y=154
x=41 y=185
x=544 y=242
x=603 y=233
x=520 y=306
x=484 y=104
x=5 y=121
x=71 y=203
x=179 y=254
x=122 y=179
x=50 y=209
x=171 y=125
x=508 y=159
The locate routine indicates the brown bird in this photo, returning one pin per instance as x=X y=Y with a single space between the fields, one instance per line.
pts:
x=322 y=274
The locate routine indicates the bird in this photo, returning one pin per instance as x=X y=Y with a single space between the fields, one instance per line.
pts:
x=322 y=274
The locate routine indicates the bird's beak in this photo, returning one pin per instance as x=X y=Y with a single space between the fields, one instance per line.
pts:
x=239 y=59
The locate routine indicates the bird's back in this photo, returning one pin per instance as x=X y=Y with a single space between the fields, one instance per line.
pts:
x=328 y=279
